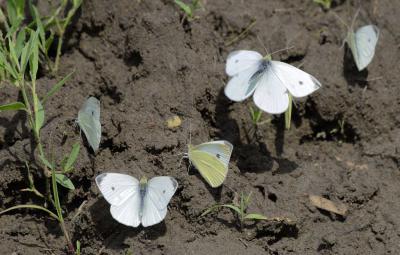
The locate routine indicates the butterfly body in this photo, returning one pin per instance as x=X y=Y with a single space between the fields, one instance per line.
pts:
x=211 y=159
x=136 y=202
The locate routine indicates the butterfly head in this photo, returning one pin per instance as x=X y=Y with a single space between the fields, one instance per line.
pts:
x=143 y=181
x=267 y=57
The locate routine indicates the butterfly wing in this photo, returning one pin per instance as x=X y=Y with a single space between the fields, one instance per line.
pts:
x=212 y=161
x=239 y=61
x=220 y=149
x=242 y=85
x=159 y=192
x=366 y=39
x=123 y=193
x=298 y=82
x=128 y=213
x=89 y=122
x=271 y=95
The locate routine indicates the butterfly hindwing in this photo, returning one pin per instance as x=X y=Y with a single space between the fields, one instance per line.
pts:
x=271 y=95
x=128 y=213
x=158 y=194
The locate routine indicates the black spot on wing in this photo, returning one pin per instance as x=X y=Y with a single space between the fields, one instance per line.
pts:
x=100 y=178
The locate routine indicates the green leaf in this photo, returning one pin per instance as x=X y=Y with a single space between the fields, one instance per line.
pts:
x=20 y=42
x=39 y=116
x=212 y=208
x=186 y=8
x=34 y=61
x=11 y=12
x=235 y=208
x=39 y=25
x=46 y=162
x=255 y=216
x=78 y=248
x=56 y=87
x=49 y=41
x=64 y=181
x=72 y=157
x=27 y=51
x=12 y=106
x=30 y=207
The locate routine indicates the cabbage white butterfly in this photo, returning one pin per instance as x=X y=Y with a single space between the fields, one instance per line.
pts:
x=269 y=81
x=211 y=159
x=362 y=43
x=89 y=122
x=136 y=202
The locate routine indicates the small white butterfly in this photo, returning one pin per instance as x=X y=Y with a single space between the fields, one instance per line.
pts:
x=362 y=44
x=270 y=81
x=89 y=122
x=134 y=202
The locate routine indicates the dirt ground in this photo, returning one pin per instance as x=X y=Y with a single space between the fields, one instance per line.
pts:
x=145 y=66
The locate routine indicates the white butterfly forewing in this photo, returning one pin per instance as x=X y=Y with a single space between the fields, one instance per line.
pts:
x=117 y=188
x=240 y=60
x=298 y=82
x=242 y=85
x=271 y=94
x=366 y=39
x=89 y=121
x=158 y=194
x=222 y=153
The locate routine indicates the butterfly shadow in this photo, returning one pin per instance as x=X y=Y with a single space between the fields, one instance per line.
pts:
x=115 y=234
x=350 y=71
x=250 y=156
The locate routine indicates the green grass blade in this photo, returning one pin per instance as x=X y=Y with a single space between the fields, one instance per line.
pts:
x=12 y=106
x=56 y=197
x=30 y=207
x=234 y=208
x=72 y=157
x=212 y=208
x=56 y=87
x=255 y=216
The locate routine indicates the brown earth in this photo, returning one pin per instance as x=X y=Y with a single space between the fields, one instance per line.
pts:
x=145 y=66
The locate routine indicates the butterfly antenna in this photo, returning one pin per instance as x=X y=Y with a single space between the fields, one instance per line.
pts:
x=355 y=17
x=263 y=45
x=285 y=49
x=341 y=20
x=138 y=168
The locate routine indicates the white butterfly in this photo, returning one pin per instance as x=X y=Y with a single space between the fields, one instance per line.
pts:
x=270 y=81
x=134 y=202
x=362 y=44
x=89 y=122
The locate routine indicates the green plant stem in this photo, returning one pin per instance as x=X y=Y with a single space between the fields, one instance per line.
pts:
x=59 y=212
x=288 y=113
